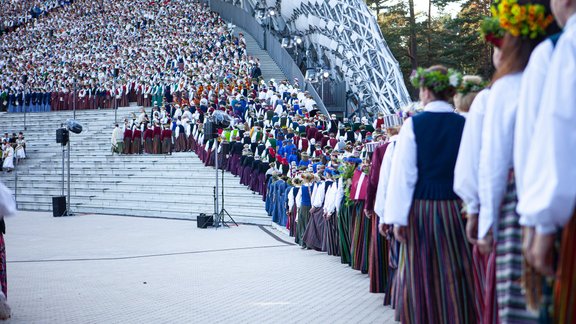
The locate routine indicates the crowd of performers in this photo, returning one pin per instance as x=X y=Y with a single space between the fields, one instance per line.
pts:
x=16 y=13
x=104 y=54
x=465 y=214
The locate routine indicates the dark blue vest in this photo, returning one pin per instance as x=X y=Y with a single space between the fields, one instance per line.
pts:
x=438 y=140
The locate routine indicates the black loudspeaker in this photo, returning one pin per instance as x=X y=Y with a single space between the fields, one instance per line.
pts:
x=74 y=126
x=25 y=79
x=116 y=72
x=59 y=206
x=210 y=131
x=204 y=221
x=62 y=136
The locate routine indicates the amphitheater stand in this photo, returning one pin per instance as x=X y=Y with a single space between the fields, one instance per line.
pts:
x=177 y=186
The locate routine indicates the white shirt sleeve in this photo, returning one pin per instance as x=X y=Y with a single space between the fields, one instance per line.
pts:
x=339 y=195
x=550 y=177
x=466 y=170
x=329 y=199
x=319 y=194
x=7 y=203
x=528 y=107
x=299 y=197
x=383 y=179
x=403 y=177
x=290 y=199
x=496 y=149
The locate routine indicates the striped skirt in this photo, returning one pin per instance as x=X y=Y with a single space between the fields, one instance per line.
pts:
x=360 y=238
x=292 y=221
x=378 y=265
x=303 y=217
x=565 y=289
x=344 y=225
x=331 y=237
x=315 y=229
x=439 y=285
x=512 y=307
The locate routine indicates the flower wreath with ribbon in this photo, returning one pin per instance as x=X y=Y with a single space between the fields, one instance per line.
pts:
x=435 y=80
x=526 y=21
x=491 y=31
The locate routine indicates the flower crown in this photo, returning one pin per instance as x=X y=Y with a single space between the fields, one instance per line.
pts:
x=468 y=86
x=435 y=79
x=491 y=31
x=528 y=20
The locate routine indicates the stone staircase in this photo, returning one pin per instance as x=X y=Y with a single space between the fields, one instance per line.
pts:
x=176 y=186
x=270 y=70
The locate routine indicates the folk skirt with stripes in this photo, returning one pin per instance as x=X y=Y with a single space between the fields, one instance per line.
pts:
x=344 y=226
x=331 y=235
x=301 y=224
x=439 y=284
x=360 y=238
x=315 y=229
x=378 y=264
x=565 y=290
x=511 y=298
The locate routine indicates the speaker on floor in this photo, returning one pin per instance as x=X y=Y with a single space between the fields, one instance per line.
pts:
x=204 y=221
x=59 y=206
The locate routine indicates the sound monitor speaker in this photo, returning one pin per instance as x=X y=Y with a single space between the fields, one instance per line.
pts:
x=25 y=79
x=116 y=72
x=62 y=136
x=204 y=221
x=59 y=206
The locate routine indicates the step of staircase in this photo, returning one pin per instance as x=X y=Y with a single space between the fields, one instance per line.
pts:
x=270 y=70
x=177 y=186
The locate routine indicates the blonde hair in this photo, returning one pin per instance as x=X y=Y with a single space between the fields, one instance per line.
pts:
x=463 y=101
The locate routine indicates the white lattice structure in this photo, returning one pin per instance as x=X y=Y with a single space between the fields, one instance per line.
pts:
x=345 y=36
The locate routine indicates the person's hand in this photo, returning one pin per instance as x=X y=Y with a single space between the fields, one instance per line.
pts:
x=486 y=244
x=400 y=233
x=382 y=229
x=541 y=253
x=472 y=228
x=527 y=241
x=368 y=213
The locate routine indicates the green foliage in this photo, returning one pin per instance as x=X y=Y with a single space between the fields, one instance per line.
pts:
x=453 y=41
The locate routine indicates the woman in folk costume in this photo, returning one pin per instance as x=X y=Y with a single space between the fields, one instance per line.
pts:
x=293 y=205
x=498 y=222
x=20 y=150
x=548 y=197
x=346 y=212
x=127 y=138
x=331 y=207
x=466 y=176
x=156 y=142
x=148 y=140
x=314 y=235
x=378 y=251
x=425 y=210
x=360 y=221
x=304 y=200
x=395 y=255
x=180 y=145
x=8 y=155
x=166 y=139
x=136 y=139
x=470 y=102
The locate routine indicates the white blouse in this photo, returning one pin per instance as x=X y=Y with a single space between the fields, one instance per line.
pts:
x=383 y=179
x=550 y=178
x=528 y=108
x=466 y=170
x=496 y=149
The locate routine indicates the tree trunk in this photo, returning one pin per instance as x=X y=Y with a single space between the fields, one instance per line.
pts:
x=413 y=44
x=429 y=35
